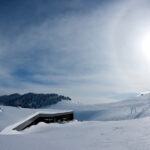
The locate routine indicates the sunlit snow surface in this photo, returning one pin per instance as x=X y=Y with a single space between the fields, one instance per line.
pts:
x=119 y=126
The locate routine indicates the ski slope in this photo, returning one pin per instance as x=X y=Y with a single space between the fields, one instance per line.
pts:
x=117 y=126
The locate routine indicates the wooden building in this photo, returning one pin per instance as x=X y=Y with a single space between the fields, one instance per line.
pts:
x=45 y=117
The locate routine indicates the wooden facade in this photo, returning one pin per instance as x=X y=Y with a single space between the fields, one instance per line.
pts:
x=45 y=117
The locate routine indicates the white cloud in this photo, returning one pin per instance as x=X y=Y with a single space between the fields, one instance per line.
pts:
x=86 y=55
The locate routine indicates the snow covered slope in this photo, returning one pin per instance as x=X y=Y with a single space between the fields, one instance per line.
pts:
x=128 y=109
x=117 y=126
x=89 y=135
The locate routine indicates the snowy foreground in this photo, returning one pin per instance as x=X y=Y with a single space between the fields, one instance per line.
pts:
x=119 y=126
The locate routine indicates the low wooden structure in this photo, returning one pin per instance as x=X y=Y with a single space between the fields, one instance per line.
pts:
x=45 y=117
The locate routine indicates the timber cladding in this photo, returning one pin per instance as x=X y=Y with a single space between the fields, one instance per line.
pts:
x=45 y=117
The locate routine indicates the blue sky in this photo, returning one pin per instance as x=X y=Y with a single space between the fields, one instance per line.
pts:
x=80 y=48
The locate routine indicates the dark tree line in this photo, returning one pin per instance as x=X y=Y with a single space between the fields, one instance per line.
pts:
x=31 y=100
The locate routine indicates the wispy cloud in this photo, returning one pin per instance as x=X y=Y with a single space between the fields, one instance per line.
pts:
x=80 y=53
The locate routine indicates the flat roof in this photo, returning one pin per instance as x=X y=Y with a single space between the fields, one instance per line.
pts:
x=22 y=124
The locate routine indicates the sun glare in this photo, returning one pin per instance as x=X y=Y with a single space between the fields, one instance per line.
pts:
x=145 y=46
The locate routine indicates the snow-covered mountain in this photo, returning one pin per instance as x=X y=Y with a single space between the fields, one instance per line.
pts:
x=122 y=125
x=135 y=108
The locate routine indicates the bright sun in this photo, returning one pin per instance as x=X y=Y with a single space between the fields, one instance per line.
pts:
x=145 y=46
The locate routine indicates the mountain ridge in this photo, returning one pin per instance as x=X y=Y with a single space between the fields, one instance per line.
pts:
x=31 y=100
